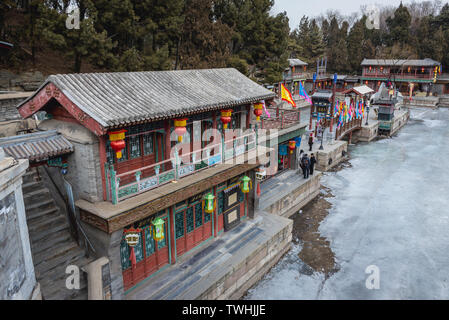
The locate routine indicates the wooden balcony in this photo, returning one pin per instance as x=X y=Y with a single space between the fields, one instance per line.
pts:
x=177 y=167
x=402 y=76
x=280 y=118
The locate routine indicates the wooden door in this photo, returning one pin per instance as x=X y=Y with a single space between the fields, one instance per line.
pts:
x=151 y=255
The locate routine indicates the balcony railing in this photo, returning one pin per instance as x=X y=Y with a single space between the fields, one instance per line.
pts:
x=280 y=118
x=179 y=166
x=425 y=76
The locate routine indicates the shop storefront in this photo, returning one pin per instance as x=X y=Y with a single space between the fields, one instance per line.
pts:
x=192 y=227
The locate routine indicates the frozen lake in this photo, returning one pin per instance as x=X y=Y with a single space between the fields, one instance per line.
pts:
x=390 y=210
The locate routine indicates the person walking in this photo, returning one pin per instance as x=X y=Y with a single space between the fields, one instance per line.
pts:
x=312 y=163
x=310 y=141
x=305 y=164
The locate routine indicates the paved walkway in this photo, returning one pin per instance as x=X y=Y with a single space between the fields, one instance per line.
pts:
x=277 y=187
x=200 y=269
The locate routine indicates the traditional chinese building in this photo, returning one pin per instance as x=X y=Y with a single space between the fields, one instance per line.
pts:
x=295 y=73
x=420 y=74
x=149 y=146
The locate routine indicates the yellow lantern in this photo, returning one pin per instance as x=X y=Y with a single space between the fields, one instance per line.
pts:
x=209 y=203
x=245 y=184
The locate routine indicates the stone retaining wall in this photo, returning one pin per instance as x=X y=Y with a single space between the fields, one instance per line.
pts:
x=244 y=275
x=399 y=121
x=293 y=200
x=331 y=156
x=366 y=134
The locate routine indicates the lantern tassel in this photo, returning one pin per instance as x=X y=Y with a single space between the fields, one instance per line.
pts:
x=258 y=189
x=132 y=257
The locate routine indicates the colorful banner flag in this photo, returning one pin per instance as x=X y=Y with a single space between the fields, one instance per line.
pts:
x=265 y=109
x=287 y=96
x=303 y=93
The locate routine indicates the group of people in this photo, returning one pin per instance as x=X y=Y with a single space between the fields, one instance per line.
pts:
x=307 y=164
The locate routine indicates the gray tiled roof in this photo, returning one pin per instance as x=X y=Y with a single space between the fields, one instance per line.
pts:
x=296 y=62
x=400 y=62
x=322 y=94
x=36 y=146
x=119 y=98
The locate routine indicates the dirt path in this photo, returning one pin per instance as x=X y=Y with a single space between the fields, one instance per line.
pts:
x=316 y=251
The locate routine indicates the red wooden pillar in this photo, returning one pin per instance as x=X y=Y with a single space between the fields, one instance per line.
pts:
x=311 y=107
x=171 y=216
x=215 y=214
x=167 y=139
x=102 y=151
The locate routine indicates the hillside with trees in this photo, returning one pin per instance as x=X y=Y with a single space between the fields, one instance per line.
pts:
x=131 y=35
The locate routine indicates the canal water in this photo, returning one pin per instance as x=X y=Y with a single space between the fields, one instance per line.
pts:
x=387 y=226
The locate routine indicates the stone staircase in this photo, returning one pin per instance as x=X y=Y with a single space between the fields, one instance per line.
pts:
x=52 y=244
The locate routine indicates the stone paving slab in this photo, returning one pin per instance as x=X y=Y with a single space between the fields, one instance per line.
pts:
x=194 y=274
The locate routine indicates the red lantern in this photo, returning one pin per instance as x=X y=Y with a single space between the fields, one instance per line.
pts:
x=292 y=145
x=226 y=117
x=258 y=110
x=180 y=128
x=117 y=139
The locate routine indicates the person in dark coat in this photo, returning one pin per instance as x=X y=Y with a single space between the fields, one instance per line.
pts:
x=310 y=142
x=312 y=163
x=306 y=164
x=301 y=154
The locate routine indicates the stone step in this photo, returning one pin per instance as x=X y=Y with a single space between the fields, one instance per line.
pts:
x=31 y=186
x=29 y=176
x=58 y=227
x=47 y=226
x=49 y=241
x=36 y=196
x=37 y=215
x=56 y=250
x=79 y=259
x=56 y=289
x=62 y=260
x=54 y=281
x=38 y=206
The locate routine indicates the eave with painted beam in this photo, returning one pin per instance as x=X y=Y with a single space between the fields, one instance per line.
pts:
x=50 y=91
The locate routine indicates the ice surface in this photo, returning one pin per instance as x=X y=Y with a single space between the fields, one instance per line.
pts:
x=391 y=210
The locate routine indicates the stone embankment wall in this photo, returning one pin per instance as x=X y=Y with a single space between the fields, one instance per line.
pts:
x=366 y=134
x=332 y=155
x=400 y=119
x=296 y=197
x=265 y=254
